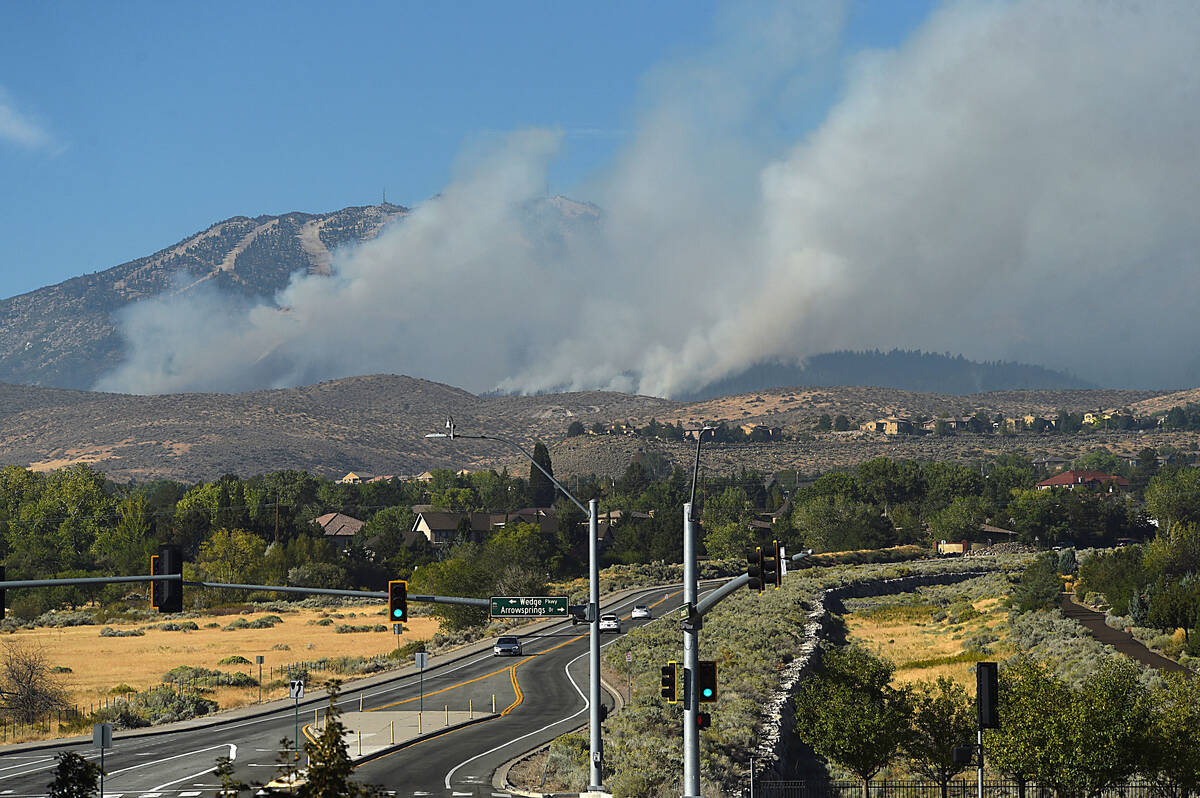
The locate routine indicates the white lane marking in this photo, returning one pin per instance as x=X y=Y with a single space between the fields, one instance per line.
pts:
x=567 y=668
x=151 y=794
x=25 y=765
x=205 y=772
x=189 y=794
x=586 y=705
x=230 y=746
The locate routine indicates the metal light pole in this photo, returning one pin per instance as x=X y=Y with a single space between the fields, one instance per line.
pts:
x=691 y=654
x=691 y=643
x=596 y=776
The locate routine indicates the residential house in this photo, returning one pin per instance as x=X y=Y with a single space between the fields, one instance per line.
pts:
x=890 y=426
x=441 y=527
x=352 y=479
x=761 y=432
x=1052 y=463
x=1083 y=479
x=339 y=528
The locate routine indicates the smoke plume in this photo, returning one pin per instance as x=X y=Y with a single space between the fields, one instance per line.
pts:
x=1018 y=180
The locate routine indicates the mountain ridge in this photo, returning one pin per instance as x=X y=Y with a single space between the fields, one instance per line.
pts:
x=377 y=424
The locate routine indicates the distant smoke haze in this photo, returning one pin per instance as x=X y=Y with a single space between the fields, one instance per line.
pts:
x=1018 y=181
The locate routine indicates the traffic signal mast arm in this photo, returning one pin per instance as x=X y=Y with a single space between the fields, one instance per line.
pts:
x=106 y=580
x=705 y=604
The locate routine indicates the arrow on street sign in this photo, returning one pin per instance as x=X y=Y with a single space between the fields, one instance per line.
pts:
x=296 y=688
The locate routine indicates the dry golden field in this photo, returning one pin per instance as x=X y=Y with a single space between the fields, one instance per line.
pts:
x=99 y=664
x=923 y=647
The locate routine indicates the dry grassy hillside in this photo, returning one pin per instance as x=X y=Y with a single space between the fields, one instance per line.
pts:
x=376 y=424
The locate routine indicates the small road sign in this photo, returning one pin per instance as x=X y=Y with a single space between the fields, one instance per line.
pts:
x=629 y=656
x=296 y=688
x=529 y=607
x=102 y=735
x=422 y=660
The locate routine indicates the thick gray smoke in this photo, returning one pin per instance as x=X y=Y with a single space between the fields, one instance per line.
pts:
x=1017 y=181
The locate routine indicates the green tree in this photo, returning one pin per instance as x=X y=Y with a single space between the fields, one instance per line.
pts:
x=840 y=524
x=841 y=423
x=943 y=716
x=731 y=539
x=541 y=489
x=461 y=574
x=1040 y=586
x=125 y=546
x=824 y=423
x=960 y=521
x=575 y=428
x=849 y=712
x=74 y=777
x=731 y=506
x=1174 y=497
x=1077 y=741
x=233 y=555
x=1031 y=709
x=1173 y=759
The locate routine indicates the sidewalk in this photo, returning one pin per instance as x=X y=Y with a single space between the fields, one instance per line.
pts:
x=1119 y=639
x=370 y=733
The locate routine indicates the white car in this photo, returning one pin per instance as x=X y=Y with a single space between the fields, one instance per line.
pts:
x=641 y=611
x=610 y=623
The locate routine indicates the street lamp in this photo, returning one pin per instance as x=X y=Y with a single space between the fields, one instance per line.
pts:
x=596 y=779
x=691 y=640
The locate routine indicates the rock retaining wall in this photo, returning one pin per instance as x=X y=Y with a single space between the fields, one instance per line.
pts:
x=782 y=755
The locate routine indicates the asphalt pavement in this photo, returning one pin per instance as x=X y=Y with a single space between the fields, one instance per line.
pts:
x=452 y=749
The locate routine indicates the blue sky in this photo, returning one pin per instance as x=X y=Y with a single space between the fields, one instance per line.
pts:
x=125 y=127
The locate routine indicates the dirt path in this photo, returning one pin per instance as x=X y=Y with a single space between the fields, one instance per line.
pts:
x=1122 y=641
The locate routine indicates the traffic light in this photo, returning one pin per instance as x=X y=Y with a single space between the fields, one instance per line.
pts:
x=754 y=569
x=155 y=590
x=770 y=565
x=706 y=673
x=669 y=672
x=703 y=720
x=397 y=601
x=168 y=595
x=986 y=694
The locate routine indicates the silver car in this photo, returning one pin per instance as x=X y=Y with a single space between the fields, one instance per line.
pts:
x=507 y=647
x=610 y=623
x=641 y=611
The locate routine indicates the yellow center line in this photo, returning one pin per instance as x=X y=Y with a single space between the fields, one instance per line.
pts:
x=512 y=671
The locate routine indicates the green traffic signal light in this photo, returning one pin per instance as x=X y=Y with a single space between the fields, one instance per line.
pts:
x=397 y=601
x=707 y=679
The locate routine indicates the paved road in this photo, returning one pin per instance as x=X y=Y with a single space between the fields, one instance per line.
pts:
x=537 y=697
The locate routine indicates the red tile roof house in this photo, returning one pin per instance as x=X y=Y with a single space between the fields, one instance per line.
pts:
x=1083 y=479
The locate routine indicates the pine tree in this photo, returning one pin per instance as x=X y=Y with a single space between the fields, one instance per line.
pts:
x=329 y=763
x=541 y=489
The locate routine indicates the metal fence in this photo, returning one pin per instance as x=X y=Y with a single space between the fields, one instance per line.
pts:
x=959 y=788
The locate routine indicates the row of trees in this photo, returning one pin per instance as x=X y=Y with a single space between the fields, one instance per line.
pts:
x=1074 y=740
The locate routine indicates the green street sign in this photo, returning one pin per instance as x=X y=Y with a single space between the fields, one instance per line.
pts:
x=529 y=606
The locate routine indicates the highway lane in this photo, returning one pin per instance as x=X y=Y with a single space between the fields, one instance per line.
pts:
x=180 y=762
